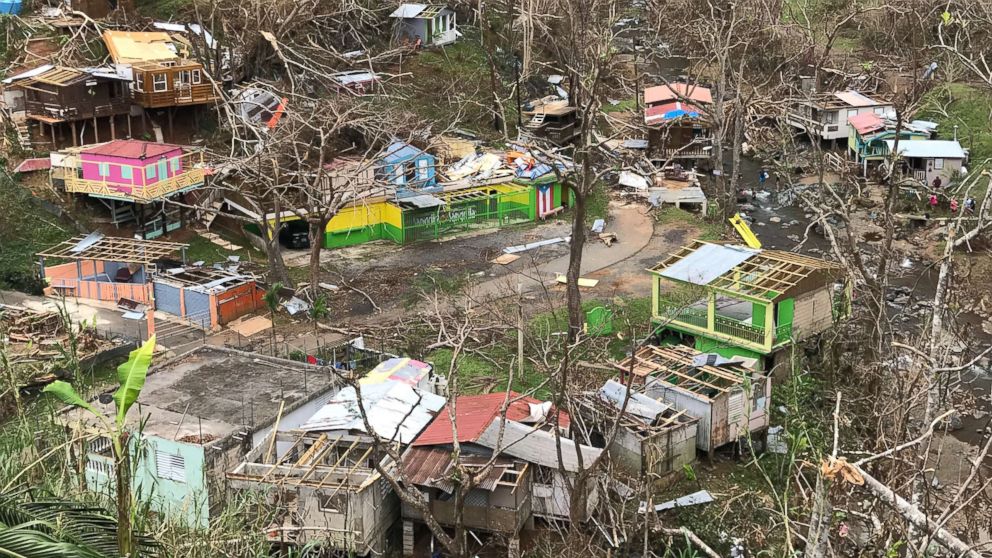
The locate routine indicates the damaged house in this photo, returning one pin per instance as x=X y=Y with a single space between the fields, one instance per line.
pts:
x=735 y=300
x=74 y=102
x=870 y=130
x=197 y=415
x=424 y=25
x=518 y=448
x=675 y=115
x=322 y=476
x=653 y=439
x=161 y=74
x=552 y=119
x=133 y=179
x=825 y=116
x=730 y=400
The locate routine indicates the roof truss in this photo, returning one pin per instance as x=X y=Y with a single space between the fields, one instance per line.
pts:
x=115 y=249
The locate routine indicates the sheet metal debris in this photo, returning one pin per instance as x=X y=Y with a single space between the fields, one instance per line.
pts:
x=537 y=244
x=694 y=499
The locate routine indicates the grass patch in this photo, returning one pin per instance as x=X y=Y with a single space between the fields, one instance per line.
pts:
x=478 y=375
x=624 y=105
x=201 y=249
x=166 y=10
x=25 y=229
x=970 y=109
x=708 y=229
x=597 y=204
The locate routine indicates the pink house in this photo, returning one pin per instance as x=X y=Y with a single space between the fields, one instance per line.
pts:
x=126 y=164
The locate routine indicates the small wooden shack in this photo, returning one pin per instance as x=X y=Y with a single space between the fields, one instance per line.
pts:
x=64 y=97
x=653 y=439
x=161 y=76
x=424 y=25
x=730 y=400
x=676 y=117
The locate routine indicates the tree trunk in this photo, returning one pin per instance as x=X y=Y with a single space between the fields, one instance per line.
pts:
x=575 y=269
x=122 y=471
x=317 y=228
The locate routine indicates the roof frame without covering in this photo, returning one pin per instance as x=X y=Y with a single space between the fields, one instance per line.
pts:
x=676 y=361
x=114 y=249
x=764 y=276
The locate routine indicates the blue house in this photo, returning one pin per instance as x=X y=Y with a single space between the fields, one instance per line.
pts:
x=410 y=169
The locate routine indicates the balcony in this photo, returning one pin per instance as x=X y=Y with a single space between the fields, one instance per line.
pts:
x=731 y=330
x=560 y=134
x=50 y=112
x=179 y=96
x=189 y=180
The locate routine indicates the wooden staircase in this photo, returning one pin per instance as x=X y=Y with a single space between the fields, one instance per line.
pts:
x=537 y=121
x=24 y=134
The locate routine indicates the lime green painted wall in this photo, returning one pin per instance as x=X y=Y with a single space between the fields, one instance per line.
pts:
x=757 y=314
x=786 y=310
x=352 y=237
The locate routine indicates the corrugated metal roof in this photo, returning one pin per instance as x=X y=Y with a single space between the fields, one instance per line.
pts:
x=866 y=122
x=433 y=467
x=943 y=149
x=408 y=10
x=400 y=151
x=29 y=165
x=405 y=370
x=855 y=99
x=30 y=73
x=673 y=91
x=708 y=262
x=536 y=446
x=393 y=409
x=639 y=405
x=473 y=413
x=132 y=149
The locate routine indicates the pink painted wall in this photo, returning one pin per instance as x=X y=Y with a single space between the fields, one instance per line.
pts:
x=91 y=169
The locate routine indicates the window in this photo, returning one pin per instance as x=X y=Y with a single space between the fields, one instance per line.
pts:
x=334 y=503
x=170 y=466
x=161 y=83
x=850 y=113
x=139 y=82
x=150 y=171
x=829 y=117
x=879 y=110
x=126 y=172
x=938 y=164
x=103 y=169
x=196 y=76
x=184 y=77
x=174 y=164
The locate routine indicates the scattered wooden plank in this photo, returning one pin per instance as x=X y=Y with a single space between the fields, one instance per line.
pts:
x=506 y=259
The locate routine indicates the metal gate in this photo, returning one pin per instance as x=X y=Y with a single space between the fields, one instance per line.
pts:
x=167 y=298
x=198 y=308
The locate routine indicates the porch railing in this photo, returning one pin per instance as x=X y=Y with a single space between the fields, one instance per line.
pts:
x=697 y=319
x=187 y=180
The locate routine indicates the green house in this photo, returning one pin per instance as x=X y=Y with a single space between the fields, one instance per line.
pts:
x=734 y=300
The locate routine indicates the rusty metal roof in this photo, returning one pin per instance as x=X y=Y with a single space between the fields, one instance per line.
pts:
x=474 y=413
x=433 y=467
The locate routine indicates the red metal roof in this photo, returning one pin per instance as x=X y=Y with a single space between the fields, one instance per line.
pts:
x=28 y=165
x=657 y=112
x=132 y=149
x=673 y=91
x=473 y=413
x=866 y=122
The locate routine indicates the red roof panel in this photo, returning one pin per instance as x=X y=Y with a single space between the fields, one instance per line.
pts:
x=866 y=122
x=674 y=91
x=29 y=165
x=473 y=413
x=132 y=149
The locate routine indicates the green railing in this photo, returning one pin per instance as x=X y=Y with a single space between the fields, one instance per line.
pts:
x=723 y=325
x=475 y=214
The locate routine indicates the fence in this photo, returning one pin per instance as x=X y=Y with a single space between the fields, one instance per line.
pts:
x=487 y=212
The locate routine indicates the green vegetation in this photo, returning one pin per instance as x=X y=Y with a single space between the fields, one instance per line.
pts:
x=623 y=106
x=708 y=229
x=32 y=230
x=450 y=83
x=166 y=10
x=968 y=108
x=201 y=249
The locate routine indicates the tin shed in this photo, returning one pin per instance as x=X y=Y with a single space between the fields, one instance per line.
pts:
x=729 y=400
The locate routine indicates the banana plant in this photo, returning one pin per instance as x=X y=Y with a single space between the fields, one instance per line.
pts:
x=131 y=376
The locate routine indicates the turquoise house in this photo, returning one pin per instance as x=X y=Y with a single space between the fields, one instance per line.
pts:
x=870 y=130
x=196 y=418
